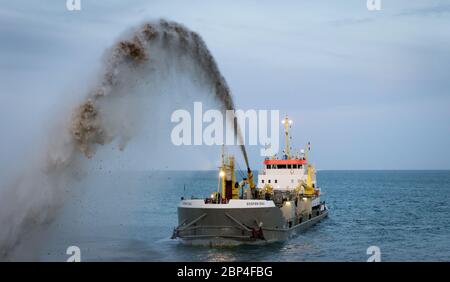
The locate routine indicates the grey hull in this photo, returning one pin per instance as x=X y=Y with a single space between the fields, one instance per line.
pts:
x=202 y=226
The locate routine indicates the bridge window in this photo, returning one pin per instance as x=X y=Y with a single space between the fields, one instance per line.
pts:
x=282 y=166
x=294 y=166
x=289 y=166
x=268 y=166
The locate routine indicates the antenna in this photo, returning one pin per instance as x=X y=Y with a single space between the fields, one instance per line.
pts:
x=287 y=123
x=308 y=148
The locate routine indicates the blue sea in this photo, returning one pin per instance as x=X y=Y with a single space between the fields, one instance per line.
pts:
x=129 y=216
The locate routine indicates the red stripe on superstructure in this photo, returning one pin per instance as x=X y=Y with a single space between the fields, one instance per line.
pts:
x=278 y=162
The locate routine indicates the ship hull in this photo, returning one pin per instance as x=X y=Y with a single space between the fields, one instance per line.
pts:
x=284 y=234
x=235 y=225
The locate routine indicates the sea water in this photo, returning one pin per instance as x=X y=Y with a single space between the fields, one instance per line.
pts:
x=130 y=216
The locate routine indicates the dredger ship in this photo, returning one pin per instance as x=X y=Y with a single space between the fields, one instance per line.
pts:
x=285 y=201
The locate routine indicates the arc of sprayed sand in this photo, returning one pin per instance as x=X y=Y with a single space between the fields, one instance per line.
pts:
x=87 y=128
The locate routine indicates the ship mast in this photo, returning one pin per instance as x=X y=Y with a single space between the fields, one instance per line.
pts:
x=287 y=123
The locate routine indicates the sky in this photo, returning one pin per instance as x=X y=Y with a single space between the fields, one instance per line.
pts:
x=368 y=89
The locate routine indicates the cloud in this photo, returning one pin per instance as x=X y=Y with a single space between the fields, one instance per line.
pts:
x=351 y=21
x=436 y=10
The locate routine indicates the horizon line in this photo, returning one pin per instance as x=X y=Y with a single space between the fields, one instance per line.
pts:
x=318 y=170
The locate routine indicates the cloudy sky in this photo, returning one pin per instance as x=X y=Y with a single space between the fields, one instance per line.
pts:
x=369 y=89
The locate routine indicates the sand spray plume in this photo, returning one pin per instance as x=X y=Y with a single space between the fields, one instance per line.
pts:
x=86 y=127
x=33 y=199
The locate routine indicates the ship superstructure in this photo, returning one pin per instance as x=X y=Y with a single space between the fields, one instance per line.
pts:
x=285 y=200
